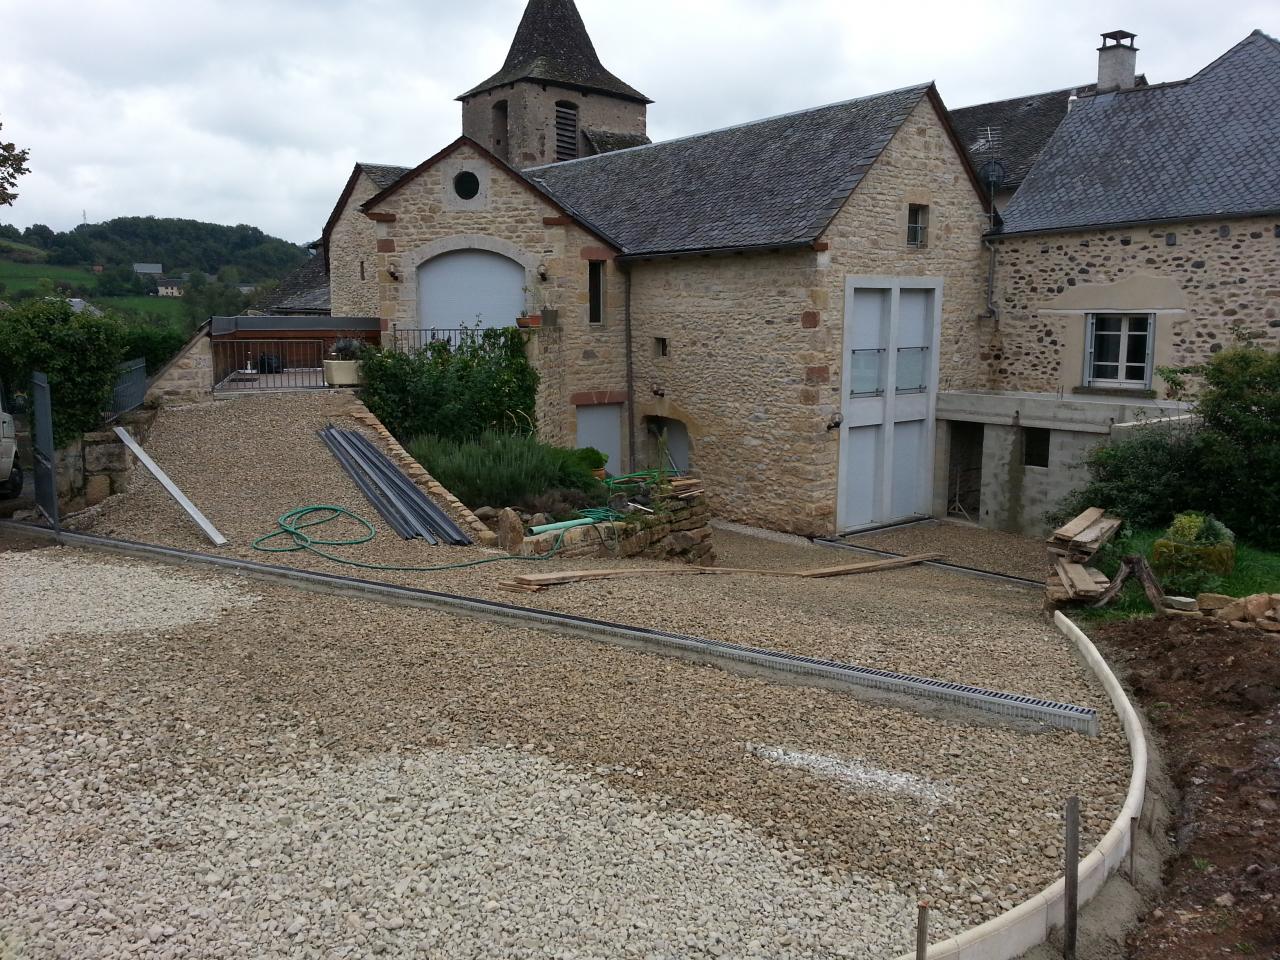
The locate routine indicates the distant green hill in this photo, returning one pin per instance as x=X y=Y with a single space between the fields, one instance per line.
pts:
x=180 y=246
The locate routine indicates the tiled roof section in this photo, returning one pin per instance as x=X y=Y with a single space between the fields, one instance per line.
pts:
x=1202 y=147
x=305 y=290
x=1025 y=125
x=383 y=175
x=604 y=141
x=552 y=45
x=775 y=182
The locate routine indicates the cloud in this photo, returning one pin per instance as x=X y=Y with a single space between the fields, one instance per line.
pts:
x=238 y=111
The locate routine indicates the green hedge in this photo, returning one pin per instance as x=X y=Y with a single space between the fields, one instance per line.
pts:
x=157 y=343
x=1226 y=462
x=79 y=353
x=499 y=469
x=456 y=393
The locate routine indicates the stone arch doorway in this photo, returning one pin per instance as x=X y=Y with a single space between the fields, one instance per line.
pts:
x=470 y=288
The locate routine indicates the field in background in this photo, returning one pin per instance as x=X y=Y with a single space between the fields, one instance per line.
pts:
x=27 y=276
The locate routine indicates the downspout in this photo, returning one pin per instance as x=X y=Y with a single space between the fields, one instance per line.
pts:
x=631 y=378
x=992 y=310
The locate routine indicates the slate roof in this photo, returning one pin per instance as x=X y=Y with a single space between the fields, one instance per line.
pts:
x=772 y=183
x=383 y=175
x=305 y=290
x=1025 y=125
x=552 y=45
x=605 y=141
x=1201 y=147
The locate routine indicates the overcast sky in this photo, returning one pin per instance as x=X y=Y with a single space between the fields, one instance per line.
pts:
x=253 y=111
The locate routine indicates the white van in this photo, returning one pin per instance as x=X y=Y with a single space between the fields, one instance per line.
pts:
x=10 y=470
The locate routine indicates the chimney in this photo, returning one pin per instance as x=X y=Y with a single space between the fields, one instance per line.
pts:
x=1117 y=61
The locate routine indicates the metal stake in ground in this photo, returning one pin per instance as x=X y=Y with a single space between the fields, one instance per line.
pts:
x=1072 y=901
x=922 y=931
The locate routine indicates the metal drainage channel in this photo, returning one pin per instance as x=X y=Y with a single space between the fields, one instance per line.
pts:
x=1048 y=712
x=938 y=564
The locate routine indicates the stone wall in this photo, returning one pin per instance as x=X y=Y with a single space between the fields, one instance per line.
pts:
x=188 y=377
x=531 y=120
x=739 y=373
x=509 y=218
x=681 y=531
x=99 y=464
x=754 y=343
x=1213 y=276
x=353 y=280
x=869 y=237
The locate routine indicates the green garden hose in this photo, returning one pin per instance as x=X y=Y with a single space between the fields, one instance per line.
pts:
x=293 y=524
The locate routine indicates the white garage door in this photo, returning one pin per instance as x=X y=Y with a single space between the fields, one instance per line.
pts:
x=470 y=288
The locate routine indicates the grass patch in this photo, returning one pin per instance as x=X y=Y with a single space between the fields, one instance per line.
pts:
x=1257 y=571
x=27 y=276
x=22 y=251
x=512 y=470
x=166 y=308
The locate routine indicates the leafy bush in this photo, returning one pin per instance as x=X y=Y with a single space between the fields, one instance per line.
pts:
x=1194 y=555
x=500 y=469
x=1143 y=477
x=1227 y=463
x=455 y=393
x=79 y=353
x=348 y=349
x=157 y=343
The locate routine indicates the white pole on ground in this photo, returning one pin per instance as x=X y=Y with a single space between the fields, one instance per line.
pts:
x=1072 y=874
x=209 y=529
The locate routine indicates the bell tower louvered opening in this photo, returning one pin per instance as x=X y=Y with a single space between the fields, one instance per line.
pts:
x=566 y=130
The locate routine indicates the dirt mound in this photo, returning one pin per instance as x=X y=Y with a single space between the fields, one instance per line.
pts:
x=1213 y=695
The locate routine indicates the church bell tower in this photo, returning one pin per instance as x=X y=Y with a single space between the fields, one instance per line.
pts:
x=553 y=100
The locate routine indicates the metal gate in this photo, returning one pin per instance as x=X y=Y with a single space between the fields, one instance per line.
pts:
x=43 y=451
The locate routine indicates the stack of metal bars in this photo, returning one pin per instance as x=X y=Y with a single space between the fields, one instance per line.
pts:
x=399 y=501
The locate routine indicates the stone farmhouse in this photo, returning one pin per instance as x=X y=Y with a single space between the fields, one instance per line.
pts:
x=848 y=316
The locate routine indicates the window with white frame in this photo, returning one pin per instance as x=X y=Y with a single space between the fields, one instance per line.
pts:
x=1120 y=348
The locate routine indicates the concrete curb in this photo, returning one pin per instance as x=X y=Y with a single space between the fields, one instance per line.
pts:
x=924 y=694
x=1029 y=924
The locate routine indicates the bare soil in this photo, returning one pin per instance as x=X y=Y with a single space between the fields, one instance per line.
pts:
x=1212 y=693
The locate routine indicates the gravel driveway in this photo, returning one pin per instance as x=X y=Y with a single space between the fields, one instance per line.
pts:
x=296 y=775
x=245 y=462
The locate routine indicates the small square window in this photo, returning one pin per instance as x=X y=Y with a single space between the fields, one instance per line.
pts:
x=1035 y=447
x=917 y=225
x=661 y=346
x=1120 y=351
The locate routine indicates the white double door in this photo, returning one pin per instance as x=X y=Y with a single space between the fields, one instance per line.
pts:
x=890 y=381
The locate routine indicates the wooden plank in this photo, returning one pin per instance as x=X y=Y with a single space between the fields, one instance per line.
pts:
x=1077 y=580
x=519 y=587
x=1155 y=592
x=1116 y=584
x=872 y=567
x=1073 y=529
x=1097 y=535
x=673 y=570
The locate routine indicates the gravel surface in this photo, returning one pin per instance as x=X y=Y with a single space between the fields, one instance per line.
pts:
x=318 y=776
x=965 y=544
x=918 y=620
x=39 y=588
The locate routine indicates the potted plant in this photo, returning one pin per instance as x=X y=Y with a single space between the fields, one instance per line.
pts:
x=530 y=322
x=343 y=368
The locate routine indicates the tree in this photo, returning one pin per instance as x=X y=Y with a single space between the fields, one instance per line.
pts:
x=13 y=164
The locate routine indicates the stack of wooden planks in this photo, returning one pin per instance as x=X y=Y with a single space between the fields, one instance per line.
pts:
x=1071 y=547
x=686 y=488
x=537 y=582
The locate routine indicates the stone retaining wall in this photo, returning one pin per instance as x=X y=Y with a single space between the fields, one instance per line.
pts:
x=679 y=530
x=99 y=464
x=188 y=377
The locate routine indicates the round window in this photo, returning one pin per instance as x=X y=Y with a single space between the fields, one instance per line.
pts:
x=466 y=185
